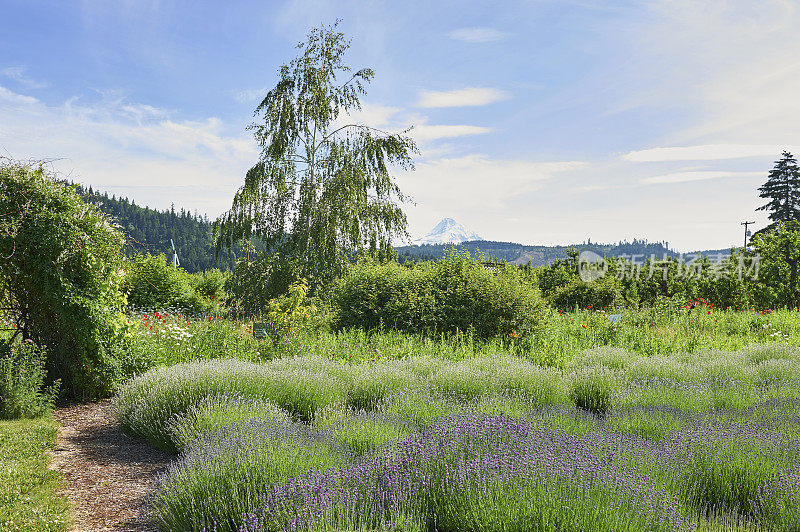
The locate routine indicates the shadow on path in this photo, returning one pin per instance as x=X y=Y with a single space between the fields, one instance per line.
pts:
x=108 y=474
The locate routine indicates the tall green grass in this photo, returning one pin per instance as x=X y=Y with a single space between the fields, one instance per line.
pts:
x=29 y=500
x=557 y=341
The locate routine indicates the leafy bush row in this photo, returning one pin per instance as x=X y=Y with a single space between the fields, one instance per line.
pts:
x=150 y=281
x=456 y=294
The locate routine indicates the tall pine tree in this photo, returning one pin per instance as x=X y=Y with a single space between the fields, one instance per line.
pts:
x=783 y=191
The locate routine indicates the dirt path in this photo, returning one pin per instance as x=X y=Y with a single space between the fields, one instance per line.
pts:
x=108 y=474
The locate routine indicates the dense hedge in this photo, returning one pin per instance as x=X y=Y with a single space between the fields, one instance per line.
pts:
x=151 y=282
x=457 y=293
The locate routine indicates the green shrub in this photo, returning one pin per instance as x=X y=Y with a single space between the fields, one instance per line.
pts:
x=60 y=277
x=22 y=375
x=371 y=383
x=579 y=294
x=210 y=284
x=591 y=391
x=419 y=406
x=151 y=282
x=455 y=294
x=254 y=282
x=650 y=423
x=364 y=433
x=146 y=404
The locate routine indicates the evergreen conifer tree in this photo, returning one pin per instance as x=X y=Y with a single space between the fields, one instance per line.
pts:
x=783 y=191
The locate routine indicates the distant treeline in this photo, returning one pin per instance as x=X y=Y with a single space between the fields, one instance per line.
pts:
x=539 y=255
x=149 y=230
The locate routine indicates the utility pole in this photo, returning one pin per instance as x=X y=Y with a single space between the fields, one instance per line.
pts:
x=746 y=232
x=744 y=251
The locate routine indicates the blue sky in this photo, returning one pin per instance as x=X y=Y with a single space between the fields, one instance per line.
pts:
x=538 y=122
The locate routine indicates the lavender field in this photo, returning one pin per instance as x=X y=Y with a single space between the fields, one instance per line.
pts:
x=612 y=441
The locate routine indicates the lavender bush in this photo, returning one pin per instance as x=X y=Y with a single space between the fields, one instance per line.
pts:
x=216 y=412
x=482 y=473
x=216 y=482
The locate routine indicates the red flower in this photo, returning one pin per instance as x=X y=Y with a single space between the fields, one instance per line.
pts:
x=584 y=325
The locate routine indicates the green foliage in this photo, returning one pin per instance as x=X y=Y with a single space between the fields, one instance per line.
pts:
x=162 y=338
x=28 y=488
x=779 y=250
x=151 y=230
x=210 y=284
x=152 y=282
x=456 y=294
x=22 y=374
x=61 y=273
x=321 y=190
x=578 y=294
x=591 y=391
x=254 y=282
x=292 y=309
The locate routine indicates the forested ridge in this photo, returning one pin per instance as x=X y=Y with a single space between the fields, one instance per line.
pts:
x=149 y=230
x=542 y=255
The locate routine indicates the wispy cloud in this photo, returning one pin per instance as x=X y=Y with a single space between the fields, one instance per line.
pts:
x=479 y=182
x=468 y=97
x=394 y=120
x=10 y=98
x=706 y=152
x=373 y=115
x=250 y=95
x=424 y=132
x=682 y=177
x=17 y=73
x=479 y=34
x=117 y=144
x=729 y=67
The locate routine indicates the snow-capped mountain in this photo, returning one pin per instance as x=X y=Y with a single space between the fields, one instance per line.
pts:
x=448 y=231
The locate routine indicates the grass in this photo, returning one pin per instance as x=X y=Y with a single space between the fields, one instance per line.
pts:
x=170 y=338
x=28 y=500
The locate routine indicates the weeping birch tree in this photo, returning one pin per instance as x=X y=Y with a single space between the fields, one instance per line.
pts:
x=321 y=189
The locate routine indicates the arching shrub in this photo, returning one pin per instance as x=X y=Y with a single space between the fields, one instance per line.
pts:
x=60 y=273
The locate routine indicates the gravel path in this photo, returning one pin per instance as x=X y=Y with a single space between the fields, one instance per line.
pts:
x=108 y=474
